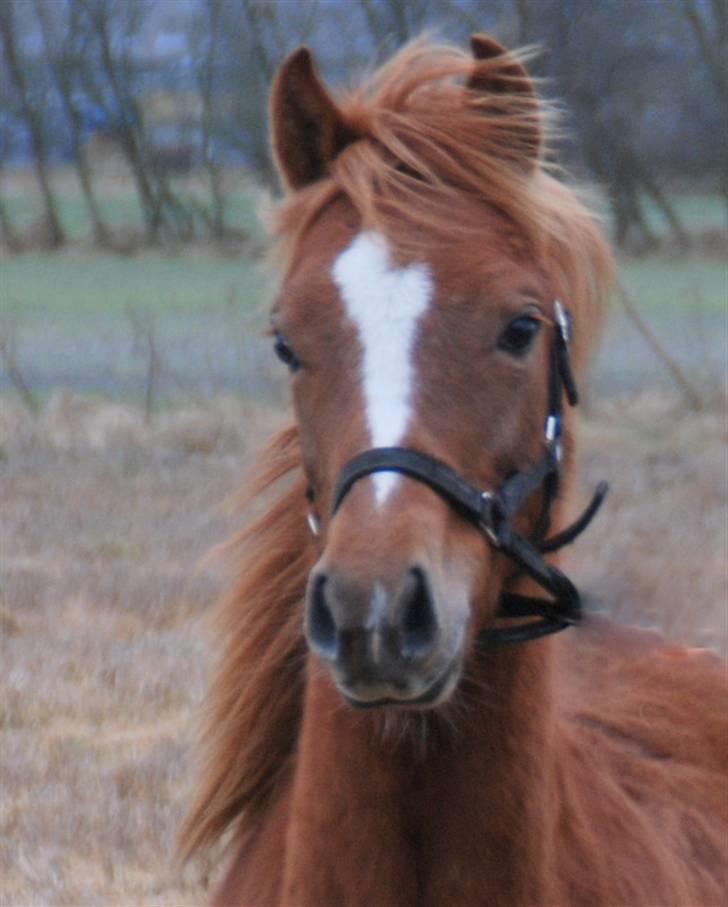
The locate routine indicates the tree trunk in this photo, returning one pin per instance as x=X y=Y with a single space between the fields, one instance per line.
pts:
x=207 y=75
x=62 y=78
x=100 y=231
x=130 y=141
x=653 y=189
x=9 y=236
x=55 y=236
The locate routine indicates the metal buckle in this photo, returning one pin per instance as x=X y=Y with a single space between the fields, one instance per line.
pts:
x=563 y=321
x=313 y=523
x=552 y=434
x=489 y=530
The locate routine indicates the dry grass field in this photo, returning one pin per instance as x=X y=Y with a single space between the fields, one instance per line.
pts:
x=105 y=591
x=103 y=597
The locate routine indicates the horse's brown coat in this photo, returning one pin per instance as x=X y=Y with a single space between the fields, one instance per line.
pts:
x=588 y=769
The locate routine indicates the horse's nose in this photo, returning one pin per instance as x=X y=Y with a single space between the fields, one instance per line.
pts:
x=363 y=630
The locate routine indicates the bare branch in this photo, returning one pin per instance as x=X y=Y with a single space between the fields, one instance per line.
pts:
x=12 y=368
x=692 y=395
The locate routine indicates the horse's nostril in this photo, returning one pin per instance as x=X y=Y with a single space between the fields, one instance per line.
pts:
x=418 y=623
x=321 y=627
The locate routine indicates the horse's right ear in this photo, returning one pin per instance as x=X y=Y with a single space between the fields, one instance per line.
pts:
x=307 y=128
x=497 y=71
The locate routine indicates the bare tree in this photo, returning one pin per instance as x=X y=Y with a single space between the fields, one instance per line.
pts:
x=8 y=233
x=146 y=347
x=115 y=93
x=207 y=85
x=640 y=82
x=253 y=37
x=31 y=109
x=692 y=395
x=10 y=362
x=63 y=46
x=111 y=74
x=708 y=24
x=611 y=80
x=263 y=35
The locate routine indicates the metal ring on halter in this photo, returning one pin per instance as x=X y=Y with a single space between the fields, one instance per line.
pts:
x=552 y=435
x=488 y=529
x=313 y=523
x=563 y=321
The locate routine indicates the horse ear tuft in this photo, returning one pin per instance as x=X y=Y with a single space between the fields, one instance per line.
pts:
x=497 y=71
x=307 y=129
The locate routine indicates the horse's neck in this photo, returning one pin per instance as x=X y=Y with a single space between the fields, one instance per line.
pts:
x=454 y=813
x=490 y=796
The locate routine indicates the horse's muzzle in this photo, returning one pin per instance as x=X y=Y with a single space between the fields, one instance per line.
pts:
x=382 y=646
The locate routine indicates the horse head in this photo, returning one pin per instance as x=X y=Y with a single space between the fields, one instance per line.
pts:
x=418 y=315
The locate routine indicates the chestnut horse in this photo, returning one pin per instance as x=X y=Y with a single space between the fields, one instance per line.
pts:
x=394 y=721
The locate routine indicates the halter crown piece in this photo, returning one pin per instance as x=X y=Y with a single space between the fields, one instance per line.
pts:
x=492 y=511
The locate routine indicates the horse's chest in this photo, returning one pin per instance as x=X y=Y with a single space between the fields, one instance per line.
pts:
x=354 y=864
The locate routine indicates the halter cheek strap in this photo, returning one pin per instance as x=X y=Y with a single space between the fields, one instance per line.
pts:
x=493 y=511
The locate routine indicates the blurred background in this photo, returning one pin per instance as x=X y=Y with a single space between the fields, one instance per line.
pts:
x=136 y=383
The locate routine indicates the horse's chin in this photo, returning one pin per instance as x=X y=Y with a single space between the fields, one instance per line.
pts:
x=435 y=694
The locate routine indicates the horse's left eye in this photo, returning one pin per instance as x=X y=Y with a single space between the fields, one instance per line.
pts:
x=519 y=335
x=285 y=353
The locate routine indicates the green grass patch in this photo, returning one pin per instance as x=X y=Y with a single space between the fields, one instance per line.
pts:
x=207 y=311
x=686 y=284
x=71 y=287
x=697 y=212
x=42 y=287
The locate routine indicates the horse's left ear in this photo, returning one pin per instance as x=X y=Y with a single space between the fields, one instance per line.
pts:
x=307 y=128
x=497 y=71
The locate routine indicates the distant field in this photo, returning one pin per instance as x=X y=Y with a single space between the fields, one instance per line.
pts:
x=74 y=314
x=697 y=212
x=77 y=318
x=71 y=288
x=77 y=315
x=685 y=302
x=75 y=286
x=692 y=284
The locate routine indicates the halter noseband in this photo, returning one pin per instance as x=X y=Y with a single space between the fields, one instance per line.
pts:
x=493 y=511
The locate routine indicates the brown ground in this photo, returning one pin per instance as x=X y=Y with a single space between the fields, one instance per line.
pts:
x=103 y=599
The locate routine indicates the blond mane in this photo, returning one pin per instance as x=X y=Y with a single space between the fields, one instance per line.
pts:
x=425 y=142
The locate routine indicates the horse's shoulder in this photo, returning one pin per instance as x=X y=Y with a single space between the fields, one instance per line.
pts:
x=602 y=644
x=657 y=696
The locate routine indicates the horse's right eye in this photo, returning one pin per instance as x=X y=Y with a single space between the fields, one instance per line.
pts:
x=519 y=335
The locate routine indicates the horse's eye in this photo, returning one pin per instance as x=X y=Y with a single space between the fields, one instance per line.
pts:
x=285 y=353
x=519 y=335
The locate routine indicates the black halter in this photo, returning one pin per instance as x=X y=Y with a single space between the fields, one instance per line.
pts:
x=493 y=511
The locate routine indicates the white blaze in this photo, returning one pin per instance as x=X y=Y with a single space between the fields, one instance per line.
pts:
x=385 y=303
